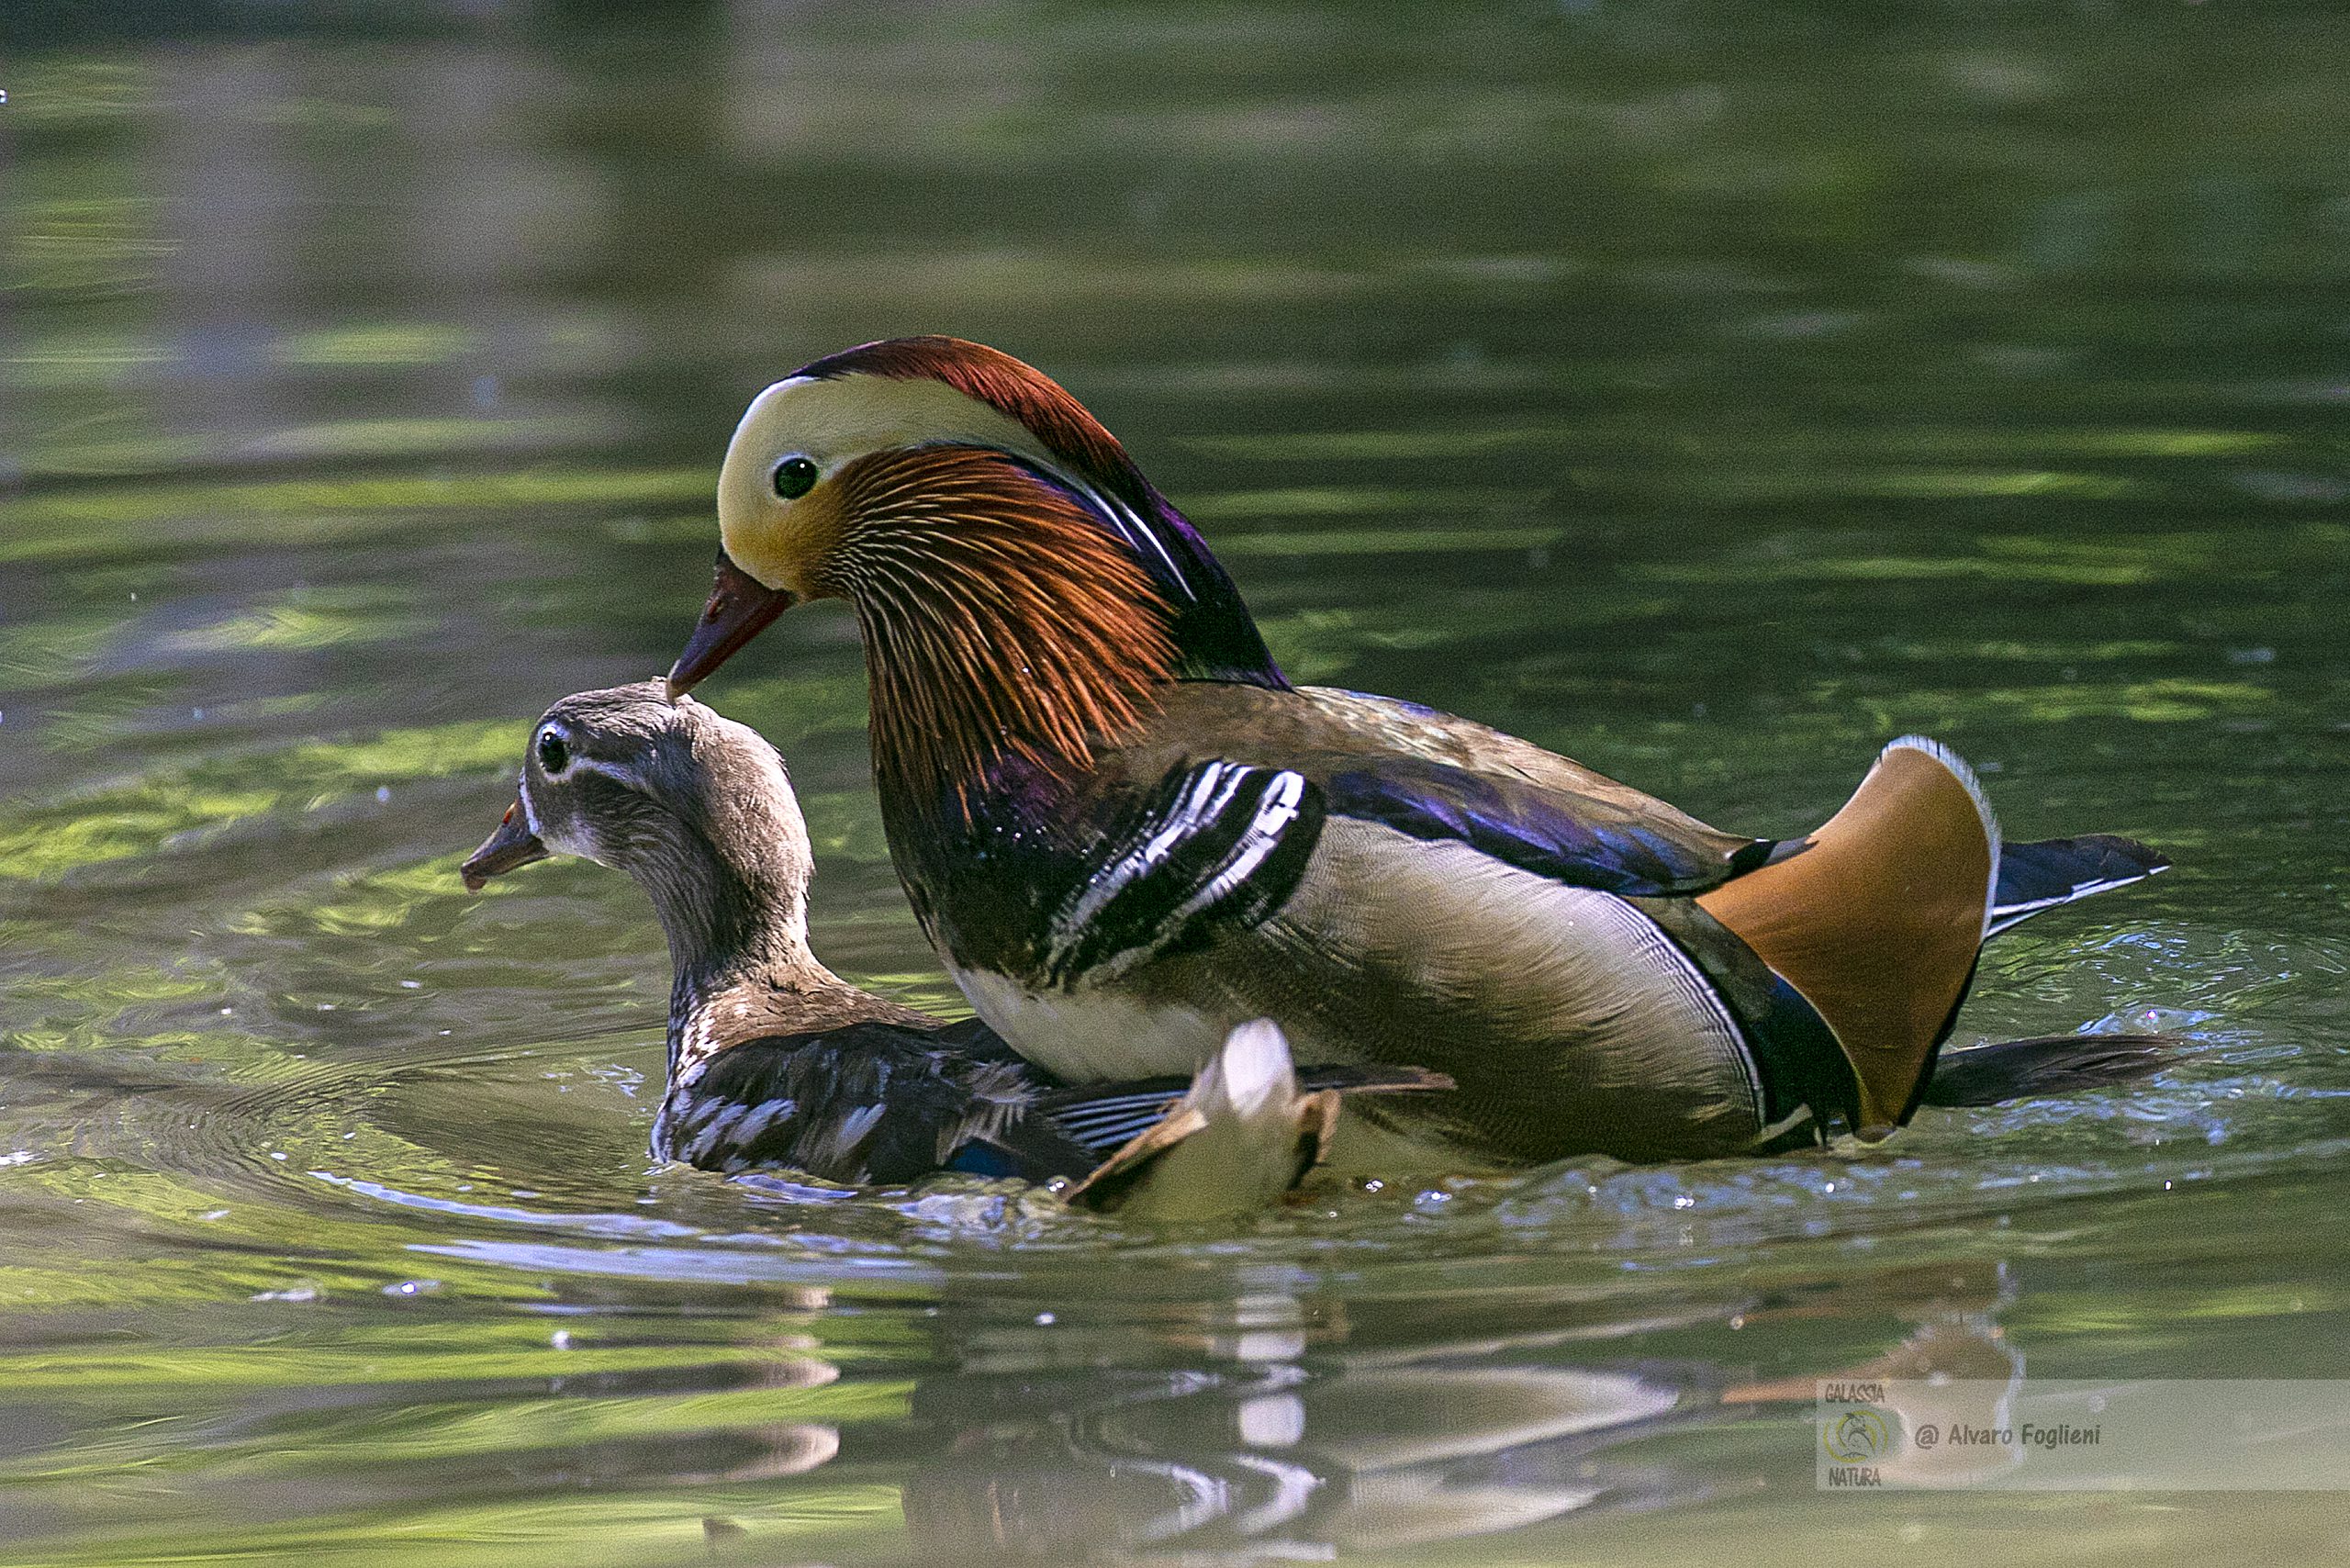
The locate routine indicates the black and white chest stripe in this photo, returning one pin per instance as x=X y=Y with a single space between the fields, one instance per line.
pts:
x=1218 y=845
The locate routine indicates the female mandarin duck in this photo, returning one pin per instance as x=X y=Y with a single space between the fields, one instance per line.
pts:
x=1127 y=832
x=775 y=1060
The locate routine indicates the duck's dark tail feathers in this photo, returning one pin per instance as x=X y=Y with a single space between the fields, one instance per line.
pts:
x=2047 y=1064
x=2036 y=877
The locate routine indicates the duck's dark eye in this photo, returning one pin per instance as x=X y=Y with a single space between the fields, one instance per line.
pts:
x=554 y=755
x=794 y=477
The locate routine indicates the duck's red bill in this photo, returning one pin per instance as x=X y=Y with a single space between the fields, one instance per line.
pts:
x=740 y=608
x=511 y=845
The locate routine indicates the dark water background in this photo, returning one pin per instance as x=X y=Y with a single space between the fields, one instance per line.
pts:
x=1708 y=390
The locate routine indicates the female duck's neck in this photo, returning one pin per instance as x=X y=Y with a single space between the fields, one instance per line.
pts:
x=735 y=930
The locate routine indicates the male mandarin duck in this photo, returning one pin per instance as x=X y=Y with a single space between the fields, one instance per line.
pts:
x=1127 y=832
x=775 y=1060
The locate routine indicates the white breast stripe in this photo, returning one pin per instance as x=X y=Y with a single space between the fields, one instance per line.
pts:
x=706 y=1136
x=1210 y=793
x=1205 y=799
x=1277 y=810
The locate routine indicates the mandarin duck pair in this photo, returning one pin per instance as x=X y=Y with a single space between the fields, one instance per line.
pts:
x=1128 y=835
x=775 y=1061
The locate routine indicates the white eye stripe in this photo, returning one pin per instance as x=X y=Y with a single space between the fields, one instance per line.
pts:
x=610 y=770
x=573 y=761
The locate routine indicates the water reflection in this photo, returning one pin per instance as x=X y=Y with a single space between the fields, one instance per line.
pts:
x=1286 y=1434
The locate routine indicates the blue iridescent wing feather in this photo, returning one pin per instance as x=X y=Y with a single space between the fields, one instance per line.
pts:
x=1544 y=832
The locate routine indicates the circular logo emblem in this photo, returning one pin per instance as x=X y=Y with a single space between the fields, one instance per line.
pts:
x=1855 y=1437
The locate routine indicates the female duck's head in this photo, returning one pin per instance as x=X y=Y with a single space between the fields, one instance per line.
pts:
x=696 y=808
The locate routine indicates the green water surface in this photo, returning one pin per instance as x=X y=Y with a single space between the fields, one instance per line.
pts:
x=1709 y=390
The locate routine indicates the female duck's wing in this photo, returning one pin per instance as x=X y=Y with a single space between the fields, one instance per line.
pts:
x=868 y=1103
x=884 y=1102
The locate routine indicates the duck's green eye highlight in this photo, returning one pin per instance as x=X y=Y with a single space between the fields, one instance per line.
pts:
x=794 y=477
x=554 y=755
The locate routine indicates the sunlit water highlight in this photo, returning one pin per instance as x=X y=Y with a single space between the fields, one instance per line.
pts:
x=1707 y=392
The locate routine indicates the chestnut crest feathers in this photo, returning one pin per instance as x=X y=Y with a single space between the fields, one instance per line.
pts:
x=1022 y=587
x=1021 y=393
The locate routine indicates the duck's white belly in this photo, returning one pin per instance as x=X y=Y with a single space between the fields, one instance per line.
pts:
x=1087 y=1036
